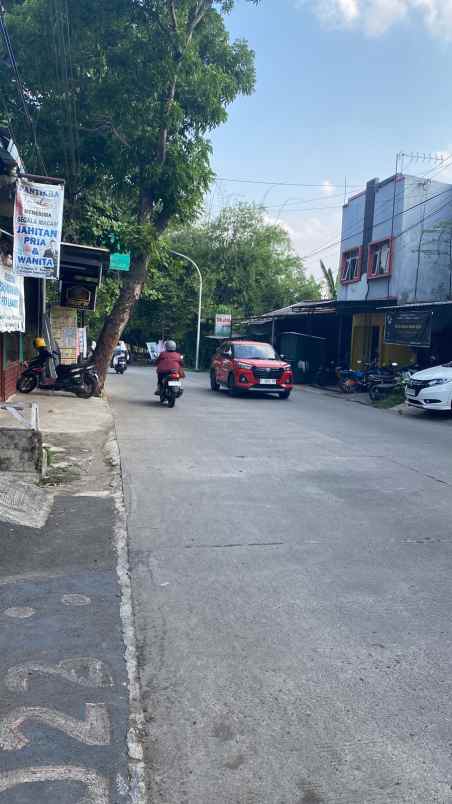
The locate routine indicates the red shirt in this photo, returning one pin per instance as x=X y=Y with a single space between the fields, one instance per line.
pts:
x=167 y=361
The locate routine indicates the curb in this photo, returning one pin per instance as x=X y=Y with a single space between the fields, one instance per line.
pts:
x=136 y=728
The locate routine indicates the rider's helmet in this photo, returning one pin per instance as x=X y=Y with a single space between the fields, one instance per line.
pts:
x=170 y=346
x=39 y=343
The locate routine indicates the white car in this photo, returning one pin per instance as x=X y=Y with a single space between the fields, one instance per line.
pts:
x=431 y=389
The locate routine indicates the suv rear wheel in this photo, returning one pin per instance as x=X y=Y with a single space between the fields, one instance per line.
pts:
x=284 y=395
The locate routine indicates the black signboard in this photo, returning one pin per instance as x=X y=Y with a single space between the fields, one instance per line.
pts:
x=78 y=295
x=409 y=327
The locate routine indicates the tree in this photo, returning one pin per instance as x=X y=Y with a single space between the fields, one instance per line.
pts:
x=330 y=281
x=124 y=94
x=248 y=263
x=248 y=267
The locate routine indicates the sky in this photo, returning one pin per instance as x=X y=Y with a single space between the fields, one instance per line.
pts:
x=342 y=87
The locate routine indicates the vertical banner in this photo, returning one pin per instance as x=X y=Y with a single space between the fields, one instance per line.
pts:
x=12 y=302
x=38 y=222
x=223 y=325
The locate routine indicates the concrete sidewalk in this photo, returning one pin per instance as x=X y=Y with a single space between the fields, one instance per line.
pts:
x=69 y=712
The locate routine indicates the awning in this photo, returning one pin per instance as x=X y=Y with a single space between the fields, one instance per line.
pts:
x=418 y=305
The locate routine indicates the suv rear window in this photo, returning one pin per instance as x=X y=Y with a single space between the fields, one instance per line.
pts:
x=254 y=351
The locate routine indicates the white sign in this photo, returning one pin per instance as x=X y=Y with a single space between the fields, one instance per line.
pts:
x=223 y=322
x=38 y=221
x=12 y=302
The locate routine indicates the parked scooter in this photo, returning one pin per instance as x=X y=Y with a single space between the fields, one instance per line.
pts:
x=353 y=380
x=79 y=379
x=171 y=388
x=382 y=387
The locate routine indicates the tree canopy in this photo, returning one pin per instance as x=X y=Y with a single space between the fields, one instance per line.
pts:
x=248 y=267
x=124 y=95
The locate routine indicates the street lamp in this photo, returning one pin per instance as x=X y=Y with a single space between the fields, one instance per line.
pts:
x=198 y=336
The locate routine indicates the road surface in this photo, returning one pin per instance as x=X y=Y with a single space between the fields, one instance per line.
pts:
x=291 y=566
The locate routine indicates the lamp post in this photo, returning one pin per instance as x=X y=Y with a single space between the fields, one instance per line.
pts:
x=198 y=336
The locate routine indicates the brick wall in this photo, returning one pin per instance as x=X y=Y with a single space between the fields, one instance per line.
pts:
x=8 y=378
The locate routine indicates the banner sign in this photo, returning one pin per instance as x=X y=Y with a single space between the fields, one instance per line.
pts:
x=38 y=221
x=409 y=328
x=120 y=262
x=12 y=301
x=223 y=325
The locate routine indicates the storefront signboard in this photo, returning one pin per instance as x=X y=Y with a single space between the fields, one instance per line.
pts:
x=409 y=328
x=38 y=221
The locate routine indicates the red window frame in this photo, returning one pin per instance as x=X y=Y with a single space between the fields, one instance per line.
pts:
x=370 y=273
x=357 y=278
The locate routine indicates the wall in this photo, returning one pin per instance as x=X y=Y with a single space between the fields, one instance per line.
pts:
x=352 y=237
x=417 y=276
x=20 y=450
x=9 y=368
x=418 y=205
x=362 y=338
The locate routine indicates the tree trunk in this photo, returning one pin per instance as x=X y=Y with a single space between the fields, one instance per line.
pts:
x=116 y=322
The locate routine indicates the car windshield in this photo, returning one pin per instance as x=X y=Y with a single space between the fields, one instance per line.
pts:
x=254 y=351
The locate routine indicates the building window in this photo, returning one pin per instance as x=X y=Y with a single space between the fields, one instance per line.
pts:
x=351 y=265
x=379 y=259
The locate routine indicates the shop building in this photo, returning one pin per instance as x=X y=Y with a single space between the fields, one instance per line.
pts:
x=396 y=252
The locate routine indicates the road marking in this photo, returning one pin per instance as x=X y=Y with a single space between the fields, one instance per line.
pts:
x=84 y=671
x=94 y=730
x=20 y=613
x=76 y=600
x=98 y=787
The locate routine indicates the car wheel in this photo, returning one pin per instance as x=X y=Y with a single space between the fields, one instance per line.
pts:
x=284 y=395
x=214 y=385
x=231 y=385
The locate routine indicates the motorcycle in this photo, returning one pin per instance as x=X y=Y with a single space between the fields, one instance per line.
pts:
x=352 y=380
x=383 y=387
x=79 y=379
x=120 y=363
x=171 y=388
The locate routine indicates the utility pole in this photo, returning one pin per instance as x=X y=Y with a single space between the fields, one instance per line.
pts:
x=198 y=335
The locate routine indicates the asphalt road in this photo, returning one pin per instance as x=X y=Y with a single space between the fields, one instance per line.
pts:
x=291 y=567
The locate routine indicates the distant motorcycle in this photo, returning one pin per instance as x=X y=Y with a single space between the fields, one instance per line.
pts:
x=171 y=388
x=79 y=379
x=120 y=363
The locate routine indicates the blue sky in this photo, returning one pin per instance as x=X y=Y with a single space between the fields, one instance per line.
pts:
x=342 y=86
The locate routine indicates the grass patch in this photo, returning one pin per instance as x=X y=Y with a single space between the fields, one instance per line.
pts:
x=390 y=401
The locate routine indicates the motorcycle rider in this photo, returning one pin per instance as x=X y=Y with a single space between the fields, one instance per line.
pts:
x=120 y=349
x=167 y=361
x=43 y=353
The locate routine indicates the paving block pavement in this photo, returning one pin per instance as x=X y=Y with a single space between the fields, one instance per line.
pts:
x=64 y=680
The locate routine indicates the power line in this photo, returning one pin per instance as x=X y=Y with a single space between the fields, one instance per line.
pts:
x=20 y=86
x=284 y=183
x=378 y=223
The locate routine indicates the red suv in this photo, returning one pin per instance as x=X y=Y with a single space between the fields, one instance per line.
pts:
x=250 y=366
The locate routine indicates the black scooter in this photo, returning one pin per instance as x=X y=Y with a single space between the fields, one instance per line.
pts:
x=78 y=378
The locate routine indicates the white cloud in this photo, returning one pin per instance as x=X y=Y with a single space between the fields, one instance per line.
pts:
x=314 y=232
x=377 y=16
